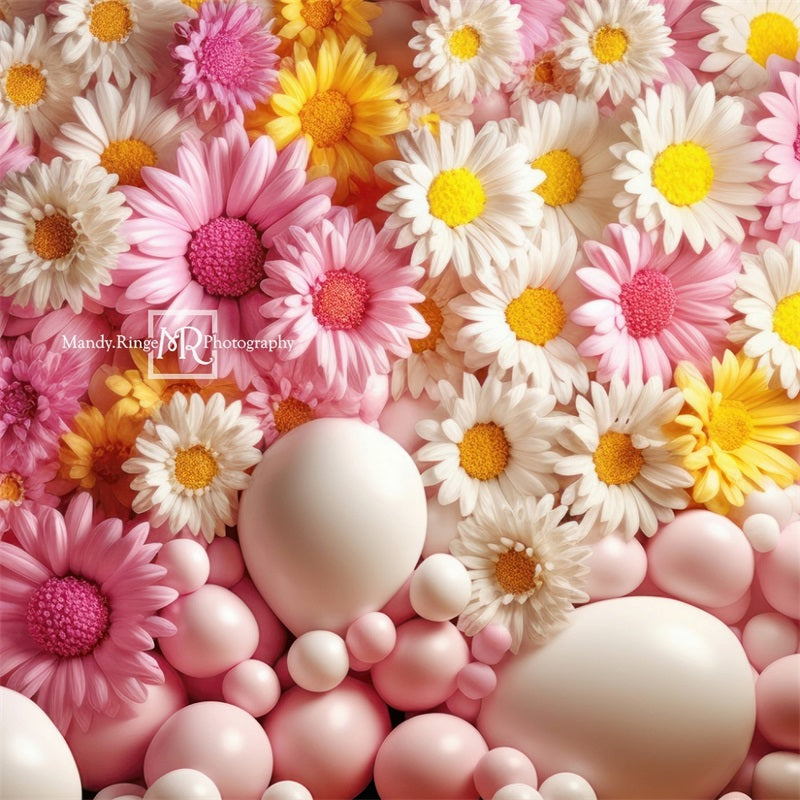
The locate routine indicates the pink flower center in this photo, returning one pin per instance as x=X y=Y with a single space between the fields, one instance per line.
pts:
x=68 y=617
x=224 y=60
x=226 y=257
x=797 y=145
x=648 y=302
x=18 y=402
x=340 y=300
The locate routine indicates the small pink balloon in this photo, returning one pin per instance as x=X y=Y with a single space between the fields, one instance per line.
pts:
x=778 y=703
x=420 y=673
x=187 y=565
x=371 y=637
x=117 y=790
x=732 y=613
x=218 y=739
x=476 y=680
x=778 y=572
x=272 y=636
x=253 y=686
x=491 y=644
x=430 y=755
x=399 y=608
x=702 y=558
x=768 y=637
x=227 y=564
x=216 y=630
x=502 y=765
x=399 y=418
x=462 y=706
x=567 y=786
x=617 y=567
x=328 y=741
x=489 y=106
x=776 y=776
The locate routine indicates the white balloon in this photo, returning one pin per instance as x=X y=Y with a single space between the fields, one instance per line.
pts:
x=442 y=527
x=652 y=697
x=777 y=776
x=440 y=588
x=120 y=791
x=35 y=761
x=773 y=501
x=318 y=661
x=287 y=790
x=566 y=786
x=332 y=524
x=762 y=531
x=517 y=791
x=183 y=784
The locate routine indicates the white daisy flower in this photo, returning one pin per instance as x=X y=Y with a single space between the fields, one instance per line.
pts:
x=461 y=198
x=115 y=37
x=492 y=441
x=746 y=35
x=521 y=322
x=428 y=107
x=59 y=233
x=467 y=46
x=628 y=478
x=768 y=295
x=527 y=569
x=688 y=167
x=433 y=358
x=35 y=88
x=617 y=46
x=565 y=139
x=191 y=463
x=123 y=131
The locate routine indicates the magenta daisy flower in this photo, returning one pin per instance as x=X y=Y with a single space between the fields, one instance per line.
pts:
x=654 y=309
x=23 y=488
x=345 y=296
x=199 y=238
x=39 y=391
x=227 y=59
x=78 y=610
x=14 y=157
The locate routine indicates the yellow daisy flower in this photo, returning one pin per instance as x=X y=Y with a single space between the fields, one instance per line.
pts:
x=727 y=434
x=344 y=105
x=307 y=21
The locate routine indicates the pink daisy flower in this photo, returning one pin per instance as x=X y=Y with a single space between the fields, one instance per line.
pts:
x=14 y=157
x=39 y=392
x=199 y=238
x=23 y=489
x=540 y=23
x=687 y=27
x=654 y=309
x=78 y=609
x=344 y=295
x=227 y=59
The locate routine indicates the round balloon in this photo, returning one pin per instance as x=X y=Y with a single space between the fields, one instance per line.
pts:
x=332 y=524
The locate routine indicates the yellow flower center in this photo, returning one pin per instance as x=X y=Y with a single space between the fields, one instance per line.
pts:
x=563 y=177
x=25 y=84
x=181 y=387
x=609 y=44
x=484 y=451
x=730 y=425
x=616 y=460
x=431 y=122
x=536 y=316
x=291 y=413
x=456 y=197
x=517 y=573
x=195 y=4
x=326 y=118
x=683 y=173
x=110 y=21
x=53 y=237
x=11 y=487
x=107 y=460
x=464 y=42
x=432 y=314
x=195 y=467
x=543 y=72
x=772 y=34
x=786 y=319
x=318 y=14
x=126 y=157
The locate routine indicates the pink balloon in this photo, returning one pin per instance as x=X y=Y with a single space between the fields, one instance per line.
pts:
x=732 y=613
x=778 y=703
x=253 y=686
x=227 y=564
x=491 y=644
x=186 y=562
x=272 y=636
x=421 y=671
x=490 y=106
x=328 y=741
x=462 y=706
x=112 y=749
x=427 y=756
x=778 y=573
x=768 y=637
x=218 y=739
x=399 y=608
x=702 y=558
x=216 y=630
x=399 y=418
x=476 y=680
x=371 y=637
x=503 y=765
x=617 y=567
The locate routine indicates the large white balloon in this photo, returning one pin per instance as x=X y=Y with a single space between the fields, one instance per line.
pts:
x=645 y=697
x=332 y=523
x=35 y=762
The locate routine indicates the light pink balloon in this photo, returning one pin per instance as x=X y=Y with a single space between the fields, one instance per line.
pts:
x=186 y=562
x=734 y=612
x=768 y=637
x=227 y=564
x=328 y=741
x=778 y=573
x=218 y=739
x=399 y=417
x=617 y=567
x=371 y=637
x=253 y=686
x=421 y=671
x=503 y=765
x=491 y=644
x=216 y=630
x=399 y=608
x=427 y=756
x=462 y=706
x=778 y=703
x=735 y=796
x=776 y=776
x=272 y=636
x=493 y=105
x=476 y=680
x=112 y=749
x=702 y=558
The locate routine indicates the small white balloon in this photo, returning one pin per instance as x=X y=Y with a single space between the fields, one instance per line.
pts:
x=440 y=588
x=773 y=501
x=119 y=791
x=762 y=531
x=777 y=776
x=287 y=790
x=566 y=786
x=183 y=784
x=517 y=791
x=318 y=661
